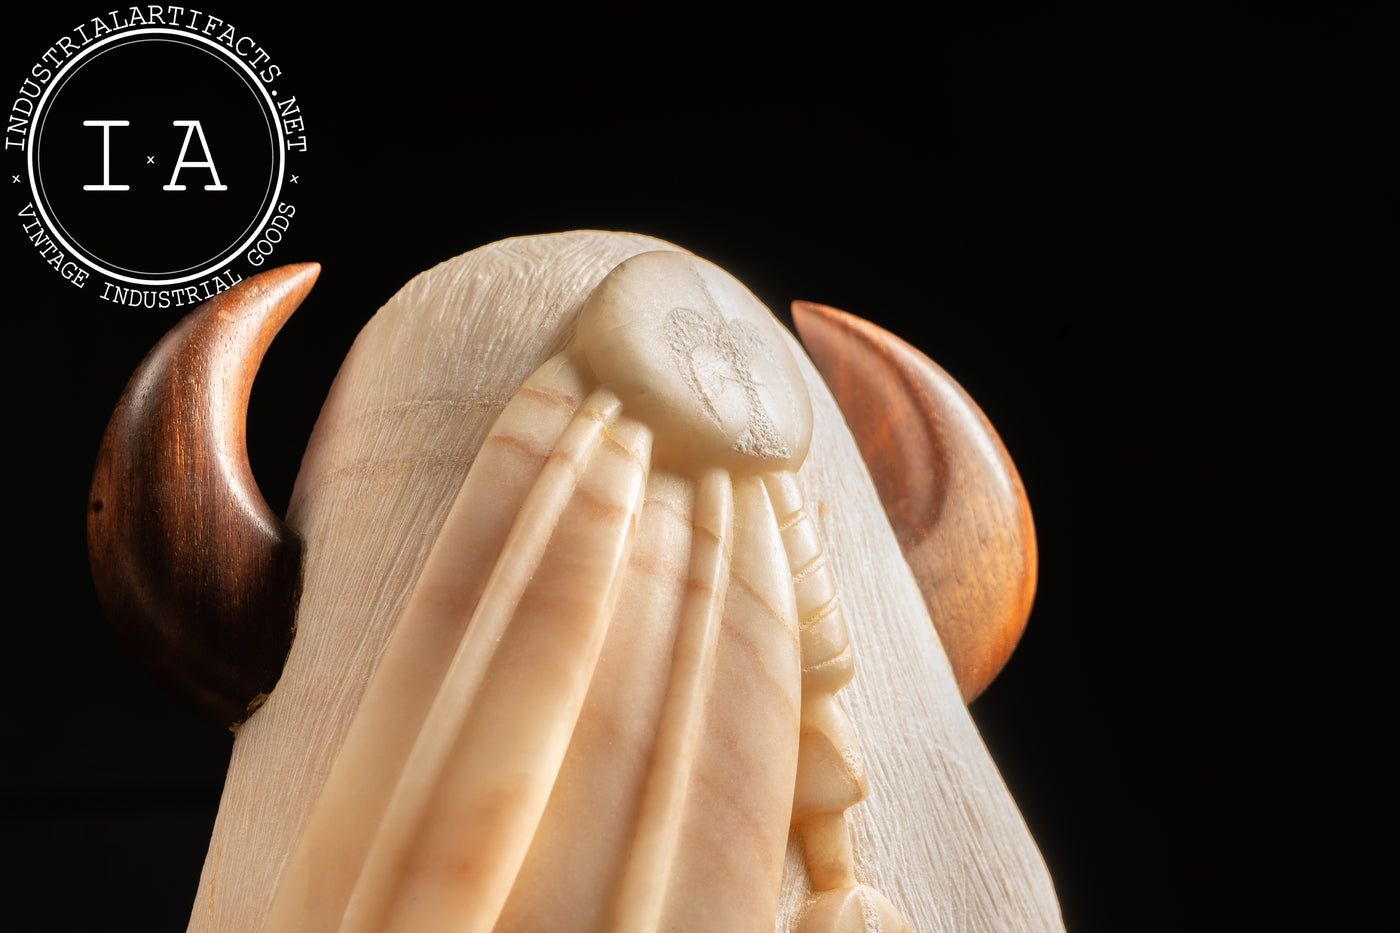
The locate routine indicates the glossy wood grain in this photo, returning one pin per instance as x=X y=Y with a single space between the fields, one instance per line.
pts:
x=197 y=575
x=951 y=492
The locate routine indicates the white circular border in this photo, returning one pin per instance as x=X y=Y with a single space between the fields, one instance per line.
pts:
x=79 y=254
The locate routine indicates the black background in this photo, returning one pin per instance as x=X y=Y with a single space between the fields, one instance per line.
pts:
x=147 y=232
x=1148 y=238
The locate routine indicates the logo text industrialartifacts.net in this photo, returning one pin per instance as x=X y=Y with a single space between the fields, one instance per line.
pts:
x=157 y=155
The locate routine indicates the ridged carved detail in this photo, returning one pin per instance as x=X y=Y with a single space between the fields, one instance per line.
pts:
x=611 y=694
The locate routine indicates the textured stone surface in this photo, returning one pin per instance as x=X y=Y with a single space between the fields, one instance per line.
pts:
x=378 y=501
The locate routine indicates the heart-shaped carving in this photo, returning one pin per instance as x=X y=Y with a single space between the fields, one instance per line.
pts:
x=734 y=377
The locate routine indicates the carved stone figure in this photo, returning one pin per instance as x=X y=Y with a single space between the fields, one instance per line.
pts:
x=583 y=535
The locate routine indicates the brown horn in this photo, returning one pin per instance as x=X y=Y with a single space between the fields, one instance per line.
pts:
x=947 y=483
x=197 y=575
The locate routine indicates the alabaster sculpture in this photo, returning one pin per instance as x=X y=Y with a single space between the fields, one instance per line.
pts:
x=601 y=626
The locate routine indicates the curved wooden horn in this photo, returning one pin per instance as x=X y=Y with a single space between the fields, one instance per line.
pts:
x=197 y=575
x=948 y=485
